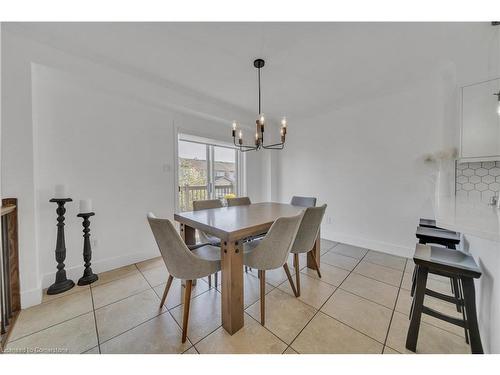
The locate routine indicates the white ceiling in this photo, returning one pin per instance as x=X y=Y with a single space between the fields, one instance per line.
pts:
x=309 y=66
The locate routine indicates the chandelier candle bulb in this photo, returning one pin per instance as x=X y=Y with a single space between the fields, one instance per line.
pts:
x=85 y=206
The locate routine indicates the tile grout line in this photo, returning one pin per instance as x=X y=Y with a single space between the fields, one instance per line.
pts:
x=316 y=313
x=50 y=326
x=147 y=320
x=384 y=344
x=244 y=312
x=58 y=296
x=175 y=307
x=393 y=310
x=167 y=309
x=268 y=330
x=95 y=321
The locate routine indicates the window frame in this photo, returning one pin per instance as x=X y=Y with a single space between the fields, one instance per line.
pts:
x=181 y=135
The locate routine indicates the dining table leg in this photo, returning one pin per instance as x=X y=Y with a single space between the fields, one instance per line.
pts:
x=188 y=234
x=316 y=250
x=232 y=286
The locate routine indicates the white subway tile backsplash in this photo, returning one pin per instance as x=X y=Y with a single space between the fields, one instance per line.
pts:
x=468 y=186
x=481 y=172
x=477 y=181
x=494 y=186
x=494 y=171
x=474 y=179
x=488 y=164
x=481 y=186
x=488 y=179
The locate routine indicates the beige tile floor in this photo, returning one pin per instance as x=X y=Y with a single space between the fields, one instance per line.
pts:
x=360 y=305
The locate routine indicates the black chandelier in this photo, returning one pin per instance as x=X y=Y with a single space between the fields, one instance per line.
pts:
x=259 y=125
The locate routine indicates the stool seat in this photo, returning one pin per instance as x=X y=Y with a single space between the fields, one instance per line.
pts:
x=446 y=260
x=429 y=223
x=435 y=235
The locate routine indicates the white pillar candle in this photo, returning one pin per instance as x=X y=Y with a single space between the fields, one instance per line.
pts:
x=60 y=192
x=85 y=206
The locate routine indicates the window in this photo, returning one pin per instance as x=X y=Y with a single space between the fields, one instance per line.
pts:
x=206 y=170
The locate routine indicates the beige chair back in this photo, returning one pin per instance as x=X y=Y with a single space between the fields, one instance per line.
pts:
x=179 y=260
x=272 y=251
x=241 y=201
x=303 y=201
x=206 y=204
x=309 y=229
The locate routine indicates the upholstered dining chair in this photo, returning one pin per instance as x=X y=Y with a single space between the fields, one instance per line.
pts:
x=271 y=252
x=181 y=262
x=241 y=201
x=303 y=201
x=305 y=239
x=205 y=237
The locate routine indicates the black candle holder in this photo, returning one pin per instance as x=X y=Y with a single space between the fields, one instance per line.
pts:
x=88 y=276
x=61 y=284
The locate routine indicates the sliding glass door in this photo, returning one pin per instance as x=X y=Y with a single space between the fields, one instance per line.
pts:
x=205 y=171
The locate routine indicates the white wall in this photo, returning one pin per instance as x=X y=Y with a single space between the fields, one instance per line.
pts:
x=110 y=149
x=365 y=162
x=106 y=135
x=487 y=256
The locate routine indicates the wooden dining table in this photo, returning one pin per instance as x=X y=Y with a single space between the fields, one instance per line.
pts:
x=233 y=225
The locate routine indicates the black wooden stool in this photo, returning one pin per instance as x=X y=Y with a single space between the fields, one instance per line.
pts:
x=444 y=237
x=454 y=264
x=438 y=236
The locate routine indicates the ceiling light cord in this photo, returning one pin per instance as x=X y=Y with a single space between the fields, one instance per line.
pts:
x=260 y=109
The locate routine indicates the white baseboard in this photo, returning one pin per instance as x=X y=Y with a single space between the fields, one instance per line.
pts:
x=371 y=244
x=75 y=272
x=31 y=297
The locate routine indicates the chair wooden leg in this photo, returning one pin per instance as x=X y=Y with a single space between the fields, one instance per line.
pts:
x=287 y=271
x=297 y=273
x=187 y=301
x=471 y=314
x=216 y=279
x=246 y=269
x=167 y=287
x=315 y=263
x=418 y=303
x=209 y=281
x=262 y=275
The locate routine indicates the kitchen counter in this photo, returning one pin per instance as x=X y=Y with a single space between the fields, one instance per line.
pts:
x=477 y=219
